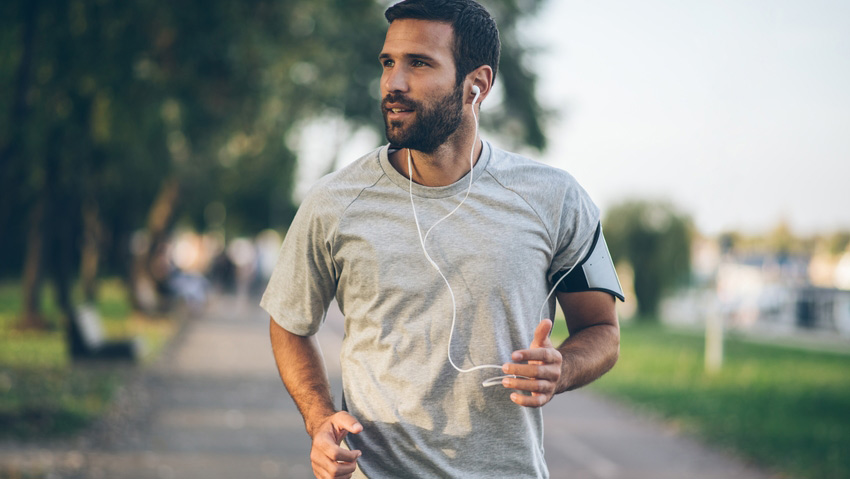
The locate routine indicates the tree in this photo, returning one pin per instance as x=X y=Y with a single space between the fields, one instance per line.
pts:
x=656 y=240
x=125 y=116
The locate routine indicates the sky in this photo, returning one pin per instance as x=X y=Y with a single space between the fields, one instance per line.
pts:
x=736 y=111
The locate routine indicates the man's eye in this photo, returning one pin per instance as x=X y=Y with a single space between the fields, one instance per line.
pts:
x=419 y=63
x=387 y=63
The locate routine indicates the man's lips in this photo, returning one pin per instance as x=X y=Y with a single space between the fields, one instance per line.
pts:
x=397 y=108
x=398 y=112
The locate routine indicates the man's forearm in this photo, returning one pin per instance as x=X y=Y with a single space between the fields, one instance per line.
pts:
x=302 y=369
x=587 y=355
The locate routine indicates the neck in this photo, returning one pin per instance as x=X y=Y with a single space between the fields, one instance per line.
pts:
x=442 y=167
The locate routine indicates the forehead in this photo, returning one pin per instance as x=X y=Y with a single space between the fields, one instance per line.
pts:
x=411 y=36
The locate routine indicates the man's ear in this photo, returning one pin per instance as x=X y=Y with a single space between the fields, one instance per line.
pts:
x=482 y=77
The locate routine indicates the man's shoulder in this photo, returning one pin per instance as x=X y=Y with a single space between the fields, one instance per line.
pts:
x=529 y=177
x=555 y=195
x=340 y=188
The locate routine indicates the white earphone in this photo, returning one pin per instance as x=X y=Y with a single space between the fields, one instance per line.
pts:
x=477 y=92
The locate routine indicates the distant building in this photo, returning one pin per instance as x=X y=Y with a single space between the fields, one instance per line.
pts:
x=764 y=292
x=807 y=308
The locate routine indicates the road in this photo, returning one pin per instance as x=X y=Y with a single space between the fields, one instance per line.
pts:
x=214 y=407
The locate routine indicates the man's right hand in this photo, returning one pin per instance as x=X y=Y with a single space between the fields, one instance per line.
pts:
x=329 y=460
x=299 y=361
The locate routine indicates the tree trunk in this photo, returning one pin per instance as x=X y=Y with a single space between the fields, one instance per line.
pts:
x=648 y=288
x=10 y=175
x=31 y=317
x=90 y=254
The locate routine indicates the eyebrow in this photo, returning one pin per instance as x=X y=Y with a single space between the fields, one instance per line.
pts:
x=410 y=56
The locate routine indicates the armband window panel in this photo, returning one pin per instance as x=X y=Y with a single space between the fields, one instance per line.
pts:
x=595 y=272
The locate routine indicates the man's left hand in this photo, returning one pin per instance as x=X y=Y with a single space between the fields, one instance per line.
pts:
x=543 y=369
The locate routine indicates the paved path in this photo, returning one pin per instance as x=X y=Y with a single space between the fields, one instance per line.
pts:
x=214 y=408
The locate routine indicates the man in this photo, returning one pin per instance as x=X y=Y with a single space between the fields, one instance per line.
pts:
x=363 y=236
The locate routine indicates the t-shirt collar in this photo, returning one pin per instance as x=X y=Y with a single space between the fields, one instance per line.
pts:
x=434 y=191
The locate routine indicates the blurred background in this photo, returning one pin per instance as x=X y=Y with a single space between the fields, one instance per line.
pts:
x=152 y=155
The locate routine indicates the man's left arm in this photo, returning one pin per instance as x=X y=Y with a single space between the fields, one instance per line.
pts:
x=590 y=351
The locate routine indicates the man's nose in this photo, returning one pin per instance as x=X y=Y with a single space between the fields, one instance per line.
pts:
x=395 y=79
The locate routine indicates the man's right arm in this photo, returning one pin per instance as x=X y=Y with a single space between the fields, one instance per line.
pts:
x=302 y=370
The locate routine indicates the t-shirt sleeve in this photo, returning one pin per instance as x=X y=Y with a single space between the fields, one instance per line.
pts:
x=575 y=229
x=304 y=279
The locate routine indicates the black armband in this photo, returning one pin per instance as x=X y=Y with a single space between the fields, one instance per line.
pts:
x=595 y=272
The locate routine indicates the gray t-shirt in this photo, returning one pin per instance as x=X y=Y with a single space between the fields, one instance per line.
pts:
x=354 y=239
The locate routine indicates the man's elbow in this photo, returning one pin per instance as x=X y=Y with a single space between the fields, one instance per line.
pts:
x=614 y=344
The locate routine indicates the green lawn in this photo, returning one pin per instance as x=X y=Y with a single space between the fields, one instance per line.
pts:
x=787 y=409
x=41 y=393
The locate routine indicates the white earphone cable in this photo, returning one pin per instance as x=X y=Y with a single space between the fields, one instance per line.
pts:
x=422 y=239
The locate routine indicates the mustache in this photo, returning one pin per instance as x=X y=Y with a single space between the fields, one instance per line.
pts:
x=399 y=100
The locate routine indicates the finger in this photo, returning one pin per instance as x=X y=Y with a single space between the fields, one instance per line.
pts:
x=323 y=468
x=345 y=469
x=530 y=385
x=333 y=465
x=334 y=453
x=541 y=334
x=344 y=455
x=535 y=400
x=548 y=355
x=549 y=372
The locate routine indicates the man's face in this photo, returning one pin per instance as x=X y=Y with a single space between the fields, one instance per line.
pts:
x=422 y=105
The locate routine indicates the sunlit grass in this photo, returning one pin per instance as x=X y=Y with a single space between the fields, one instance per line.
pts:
x=41 y=392
x=787 y=409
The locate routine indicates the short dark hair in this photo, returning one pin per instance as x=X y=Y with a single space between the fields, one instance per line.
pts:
x=476 y=38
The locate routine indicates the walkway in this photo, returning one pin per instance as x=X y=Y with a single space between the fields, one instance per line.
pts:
x=215 y=408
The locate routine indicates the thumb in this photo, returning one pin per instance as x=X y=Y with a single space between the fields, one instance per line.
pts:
x=541 y=335
x=344 y=423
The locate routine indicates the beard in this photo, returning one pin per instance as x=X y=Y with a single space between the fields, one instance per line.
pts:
x=434 y=121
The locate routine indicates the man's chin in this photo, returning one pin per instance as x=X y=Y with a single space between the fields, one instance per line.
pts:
x=397 y=136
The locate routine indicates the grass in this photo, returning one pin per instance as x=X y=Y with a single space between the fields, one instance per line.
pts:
x=786 y=409
x=39 y=403
x=42 y=394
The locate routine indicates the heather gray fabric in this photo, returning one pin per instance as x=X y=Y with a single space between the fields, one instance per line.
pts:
x=354 y=239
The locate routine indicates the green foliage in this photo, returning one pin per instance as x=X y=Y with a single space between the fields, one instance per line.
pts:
x=656 y=240
x=782 y=240
x=784 y=408
x=521 y=116
x=838 y=242
x=106 y=100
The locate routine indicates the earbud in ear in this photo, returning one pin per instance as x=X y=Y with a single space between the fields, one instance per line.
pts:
x=475 y=90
